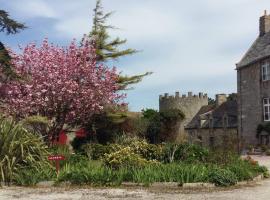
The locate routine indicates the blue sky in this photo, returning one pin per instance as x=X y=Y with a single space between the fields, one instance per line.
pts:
x=189 y=45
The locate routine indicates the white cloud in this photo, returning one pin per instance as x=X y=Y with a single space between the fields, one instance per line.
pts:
x=185 y=43
x=33 y=8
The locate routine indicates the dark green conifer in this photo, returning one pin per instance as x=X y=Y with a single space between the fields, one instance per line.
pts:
x=9 y=26
x=107 y=49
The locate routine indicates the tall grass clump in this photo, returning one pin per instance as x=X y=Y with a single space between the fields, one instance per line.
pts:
x=19 y=149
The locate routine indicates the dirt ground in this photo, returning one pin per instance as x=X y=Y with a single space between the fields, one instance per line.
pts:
x=260 y=191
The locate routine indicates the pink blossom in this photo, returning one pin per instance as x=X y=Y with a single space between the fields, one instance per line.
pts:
x=64 y=84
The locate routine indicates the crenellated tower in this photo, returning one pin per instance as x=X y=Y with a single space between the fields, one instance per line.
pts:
x=189 y=104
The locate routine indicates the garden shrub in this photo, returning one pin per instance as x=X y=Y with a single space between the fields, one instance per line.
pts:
x=125 y=157
x=222 y=177
x=222 y=157
x=31 y=176
x=95 y=151
x=191 y=153
x=146 y=150
x=138 y=146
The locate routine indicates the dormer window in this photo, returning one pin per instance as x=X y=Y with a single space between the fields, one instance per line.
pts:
x=265 y=71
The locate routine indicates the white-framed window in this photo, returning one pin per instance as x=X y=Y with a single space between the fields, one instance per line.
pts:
x=266 y=109
x=265 y=71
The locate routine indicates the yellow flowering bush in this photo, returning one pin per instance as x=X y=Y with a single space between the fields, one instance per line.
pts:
x=126 y=157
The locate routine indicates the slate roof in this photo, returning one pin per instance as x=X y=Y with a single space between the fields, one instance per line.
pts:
x=229 y=109
x=260 y=49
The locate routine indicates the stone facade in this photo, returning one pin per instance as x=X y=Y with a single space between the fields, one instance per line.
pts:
x=214 y=137
x=215 y=125
x=252 y=89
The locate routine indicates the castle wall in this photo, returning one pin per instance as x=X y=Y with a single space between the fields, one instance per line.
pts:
x=188 y=104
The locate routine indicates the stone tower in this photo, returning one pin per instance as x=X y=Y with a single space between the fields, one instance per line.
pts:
x=189 y=104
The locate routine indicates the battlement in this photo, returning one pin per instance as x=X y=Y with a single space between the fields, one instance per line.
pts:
x=189 y=104
x=177 y=96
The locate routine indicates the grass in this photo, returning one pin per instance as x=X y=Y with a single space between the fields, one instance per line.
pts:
x=96 y=174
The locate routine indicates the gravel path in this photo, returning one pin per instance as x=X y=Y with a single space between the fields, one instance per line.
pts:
x=260 y=191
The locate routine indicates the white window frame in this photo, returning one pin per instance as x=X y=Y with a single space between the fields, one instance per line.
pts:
x=266 y=109
x=266 y=71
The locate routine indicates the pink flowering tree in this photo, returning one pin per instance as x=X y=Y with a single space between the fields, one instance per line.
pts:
x=64 y=84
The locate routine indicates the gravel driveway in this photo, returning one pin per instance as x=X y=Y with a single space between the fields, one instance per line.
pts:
x=260 y=191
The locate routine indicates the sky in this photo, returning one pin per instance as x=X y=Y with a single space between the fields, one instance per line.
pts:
x=188 y=45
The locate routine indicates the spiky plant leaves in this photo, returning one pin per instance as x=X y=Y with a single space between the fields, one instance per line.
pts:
x=19 y=149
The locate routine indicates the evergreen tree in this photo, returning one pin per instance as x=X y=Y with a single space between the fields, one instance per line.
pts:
x=9 y=26
x=107 y=49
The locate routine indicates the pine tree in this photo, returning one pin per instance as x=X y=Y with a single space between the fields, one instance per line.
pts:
x=9 y=26
x=107 y=49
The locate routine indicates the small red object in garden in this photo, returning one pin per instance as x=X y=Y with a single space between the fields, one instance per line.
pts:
x=56 y=158
x=81 y=133
x=62 y=138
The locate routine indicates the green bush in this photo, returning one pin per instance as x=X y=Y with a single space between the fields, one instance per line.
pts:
x=19 y=149
x=140 y=147
x=31 y=176
x=221 y=157
x=96 y=151
x=191 y=153
x=147 y=151
x=222 y=177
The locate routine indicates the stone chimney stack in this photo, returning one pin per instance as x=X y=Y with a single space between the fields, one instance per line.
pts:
x=264 y=24
x=220 y=99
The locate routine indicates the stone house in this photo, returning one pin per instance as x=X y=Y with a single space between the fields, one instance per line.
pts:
x=209 y=125
x=253 y=87
x=215 y=125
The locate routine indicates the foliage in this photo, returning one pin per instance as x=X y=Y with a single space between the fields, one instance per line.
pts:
x=211 y=101
x=245 y=170
x=9 y=26
x=36 y=124
x=64 y=84
x=96 y=174
x=222 y=177
x=19 y=149
x=162 y=125
x=191 y=153
x=95 y=151
x=31 y=176
x=129 y=162
x=222 y=157
x=154 y=125
x=126 y=157
x=107 y=49
x=140 y=147
x=263 y=127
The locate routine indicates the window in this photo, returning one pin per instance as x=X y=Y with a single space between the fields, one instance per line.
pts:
x=266 y=109
x=265 y=71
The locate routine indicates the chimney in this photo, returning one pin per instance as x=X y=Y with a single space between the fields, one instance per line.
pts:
x=220 y=99
x=264 y=24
